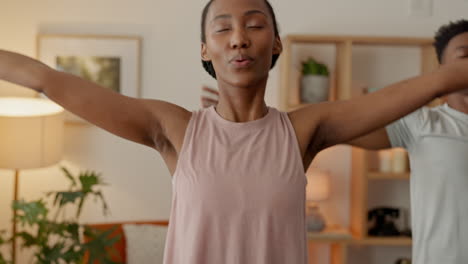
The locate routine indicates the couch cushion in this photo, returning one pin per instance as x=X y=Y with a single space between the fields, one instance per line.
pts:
x=145 y=243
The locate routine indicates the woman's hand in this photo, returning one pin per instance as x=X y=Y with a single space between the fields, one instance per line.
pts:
x=209 y=96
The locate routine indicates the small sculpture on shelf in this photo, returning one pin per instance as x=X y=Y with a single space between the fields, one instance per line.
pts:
x=393 y=161
x=382 y=222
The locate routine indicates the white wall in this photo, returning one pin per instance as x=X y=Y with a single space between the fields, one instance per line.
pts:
x=139 y=182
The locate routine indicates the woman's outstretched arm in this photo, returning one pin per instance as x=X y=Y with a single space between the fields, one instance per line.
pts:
x=323 y=125
x=148 y=122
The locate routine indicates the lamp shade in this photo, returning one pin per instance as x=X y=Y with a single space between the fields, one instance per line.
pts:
x=31 y=133
x=318 y=185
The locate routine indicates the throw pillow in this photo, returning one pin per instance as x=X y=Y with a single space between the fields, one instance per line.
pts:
x=145 y=243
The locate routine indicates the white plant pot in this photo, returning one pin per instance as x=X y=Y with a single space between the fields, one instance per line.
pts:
x=314 y=88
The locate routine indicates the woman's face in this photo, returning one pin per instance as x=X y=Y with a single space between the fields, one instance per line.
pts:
x=240 y=41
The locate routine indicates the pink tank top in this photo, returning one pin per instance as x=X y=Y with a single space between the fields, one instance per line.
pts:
x=238 y=193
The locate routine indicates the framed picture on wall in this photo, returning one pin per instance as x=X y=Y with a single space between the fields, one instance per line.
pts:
x=110 y=61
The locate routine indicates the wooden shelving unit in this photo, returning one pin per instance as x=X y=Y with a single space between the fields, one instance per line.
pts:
x=331 y=235
x=375 y=175
x=337 y=238
x=341 y=89
x=290 y=95
x=387 y=241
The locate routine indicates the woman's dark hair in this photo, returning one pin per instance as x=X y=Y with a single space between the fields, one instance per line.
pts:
x=208 y=65
x=446 y=33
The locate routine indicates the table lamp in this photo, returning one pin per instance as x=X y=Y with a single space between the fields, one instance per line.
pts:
x=31 y=136
x=318 y=189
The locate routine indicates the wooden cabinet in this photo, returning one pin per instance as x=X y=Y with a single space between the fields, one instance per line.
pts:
x=343 y=86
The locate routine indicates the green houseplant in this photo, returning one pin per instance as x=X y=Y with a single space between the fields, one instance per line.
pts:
x=57 y=238
x=3 y=241
x=314 y=82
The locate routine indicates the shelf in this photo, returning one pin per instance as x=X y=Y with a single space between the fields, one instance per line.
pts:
x=384 y=241
x=363 y=40
x=348 y=76
x=330 y=235
x=375 y=175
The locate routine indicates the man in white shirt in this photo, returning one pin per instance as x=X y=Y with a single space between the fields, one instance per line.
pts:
x=437 y=142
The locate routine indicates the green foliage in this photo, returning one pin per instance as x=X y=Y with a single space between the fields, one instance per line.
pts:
x=3 y=241
x=57 y=239
x=86 y=181
x=2 y=238
x=3 y=261
x=99 y=242
x=312 y=67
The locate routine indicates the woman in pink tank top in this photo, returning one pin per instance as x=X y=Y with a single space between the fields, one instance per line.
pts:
x=239 y=183
x=238 y=168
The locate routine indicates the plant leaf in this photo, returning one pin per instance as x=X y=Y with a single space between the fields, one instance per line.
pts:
x=100 y=242
x=69 y=197
x=30 y=212
x=312 y=67
x=69 y=176
x=88 y=180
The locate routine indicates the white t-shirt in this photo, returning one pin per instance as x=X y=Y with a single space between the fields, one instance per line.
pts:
x=437 y=142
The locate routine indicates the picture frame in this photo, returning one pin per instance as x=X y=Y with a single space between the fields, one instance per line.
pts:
x=112 y=61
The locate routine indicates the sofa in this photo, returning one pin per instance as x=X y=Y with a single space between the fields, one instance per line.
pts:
x=140 y=241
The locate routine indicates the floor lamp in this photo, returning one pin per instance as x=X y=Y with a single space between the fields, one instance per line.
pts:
x=31 y=136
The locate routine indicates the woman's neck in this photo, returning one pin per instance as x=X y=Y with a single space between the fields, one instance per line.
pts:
x=242 y=104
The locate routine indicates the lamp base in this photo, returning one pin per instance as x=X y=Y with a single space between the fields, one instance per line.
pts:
x=314 y=219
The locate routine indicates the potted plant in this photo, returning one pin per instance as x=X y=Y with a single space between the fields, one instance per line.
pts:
x=57 y=239
x=315 y=82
